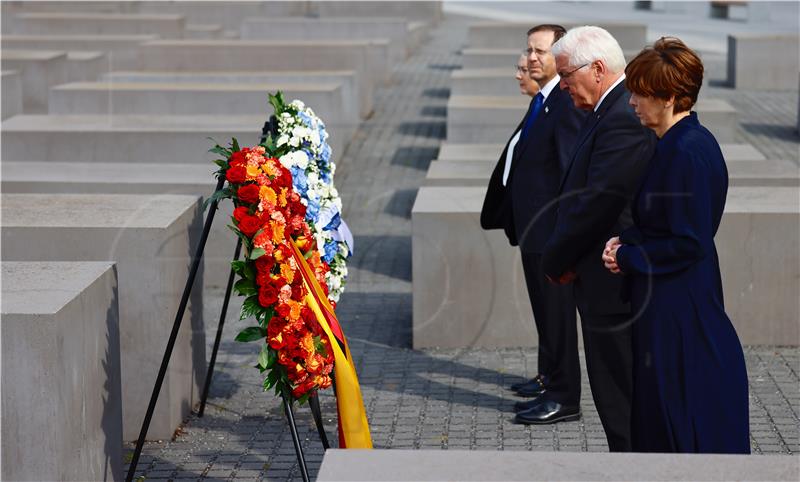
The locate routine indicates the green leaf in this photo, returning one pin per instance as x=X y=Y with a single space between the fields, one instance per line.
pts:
x=272 y=358
x=257 y=253
x=218 y=149
x=218 y=195
x=235 y=145
x=249 y=308
x=239 y=267
x=271 y=379
x=251 y=333
x=263 y=357
x=264 y=316
x=221 y=163
x=245 y=287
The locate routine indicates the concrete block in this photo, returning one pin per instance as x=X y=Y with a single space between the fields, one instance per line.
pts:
x=459 y=173
x=87 y=66
x=759 y=255
x=150 y=98
x=449 y=248
x=98 y=138
x=763 y=62
x=40 y=69
x=453 y=151
x=508 y=466
x=630 y=35
x=394 y=29
x=369 y=58
x=62 y=407
x=152 y=239
x=98 y=23
x=203 y=31
x=740 y=173
x=12 y=93
x=411 y=10
x=492 y=58
x=418 y=33
x=494 y=81
x=757 y=244
x=229 y=14
x=357 y=93
x=122 y=50
x=491 y=119
x=763 y=173
x=132 y=178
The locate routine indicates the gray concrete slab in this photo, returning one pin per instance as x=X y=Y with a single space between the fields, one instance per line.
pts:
x=491 y=81
x=480 y=152
x=12 y=93
x=630 y=35
x=491 y=119
x=763 y=61
x=203 y=31
x=467 y=465
x=98 y=138
x=395 y=29
x=40 y=70
x=430 y=11
x=152 y=239
x=228 y=13
x=151 y=98
x=367 y=57
x=132 y=178
x=98 y=23
x=87 y=66
x=358 y=92
x=62 y=406
x=122 y=50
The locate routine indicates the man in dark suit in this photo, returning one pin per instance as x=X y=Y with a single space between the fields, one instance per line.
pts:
x=546 y=137
x=611 y=154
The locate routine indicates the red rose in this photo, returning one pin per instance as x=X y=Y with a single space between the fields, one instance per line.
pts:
x=240 y=212
x=298 y=292
x=238 y=159
x=248 y=193
x=267 y=296
x=264 y=266
x=249 y=225
x=236 y=174
x=284 y=309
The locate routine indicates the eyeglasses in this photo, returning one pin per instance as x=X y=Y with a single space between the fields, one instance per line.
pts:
x=521 y=70
x=539 y=53
x=567 y=75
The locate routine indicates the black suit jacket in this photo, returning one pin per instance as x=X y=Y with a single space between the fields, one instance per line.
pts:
x=540 y=160
x=496 y=211
x=612 y=152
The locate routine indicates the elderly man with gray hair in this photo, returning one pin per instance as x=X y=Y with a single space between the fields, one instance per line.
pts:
x=611 y=153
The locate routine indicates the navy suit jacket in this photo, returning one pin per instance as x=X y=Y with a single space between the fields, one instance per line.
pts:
x=606 y=169
x=540 y=160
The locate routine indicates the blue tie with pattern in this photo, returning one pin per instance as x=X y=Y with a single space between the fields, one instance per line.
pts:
x=536 y=106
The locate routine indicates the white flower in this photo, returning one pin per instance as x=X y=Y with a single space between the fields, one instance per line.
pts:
x=283 y=139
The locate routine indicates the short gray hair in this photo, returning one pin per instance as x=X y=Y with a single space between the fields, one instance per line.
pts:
x=584 y=45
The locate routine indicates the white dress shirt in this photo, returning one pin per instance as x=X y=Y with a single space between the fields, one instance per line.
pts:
x=621 y=79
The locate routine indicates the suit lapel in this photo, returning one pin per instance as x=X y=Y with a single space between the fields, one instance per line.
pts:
x=547 y=107
x=590 y=124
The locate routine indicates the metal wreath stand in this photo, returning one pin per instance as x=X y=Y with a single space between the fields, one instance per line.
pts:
x=270 y=128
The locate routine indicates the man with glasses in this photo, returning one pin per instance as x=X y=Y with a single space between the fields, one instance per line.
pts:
x=602 y=176
x=547 y=135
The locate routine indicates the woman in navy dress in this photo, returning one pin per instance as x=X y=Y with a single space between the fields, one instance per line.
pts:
x=690 y=382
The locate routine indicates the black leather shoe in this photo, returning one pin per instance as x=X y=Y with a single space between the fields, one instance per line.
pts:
x=546 y=412
x=532 y=387
x=528 y=404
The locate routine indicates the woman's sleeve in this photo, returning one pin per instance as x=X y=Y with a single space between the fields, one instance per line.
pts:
x=687 y=202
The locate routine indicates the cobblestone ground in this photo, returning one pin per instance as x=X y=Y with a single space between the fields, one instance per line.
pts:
x=427 y=399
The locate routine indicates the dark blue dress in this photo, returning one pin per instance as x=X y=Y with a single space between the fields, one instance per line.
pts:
x=690 y=382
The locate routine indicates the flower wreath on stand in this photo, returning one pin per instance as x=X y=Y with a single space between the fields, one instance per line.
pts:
x=302 y=148
x=284 y=280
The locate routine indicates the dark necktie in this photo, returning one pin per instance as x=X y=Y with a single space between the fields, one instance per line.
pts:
x=536 y=106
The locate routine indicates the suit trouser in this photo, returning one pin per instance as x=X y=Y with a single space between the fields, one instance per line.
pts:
x=609 y=362
x=556 y=325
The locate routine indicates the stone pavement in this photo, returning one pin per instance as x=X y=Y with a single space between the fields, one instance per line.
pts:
x=427 y=399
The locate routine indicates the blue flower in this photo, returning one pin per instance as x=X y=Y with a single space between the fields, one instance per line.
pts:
x=299 y=180
x=330 y=249
x=312 y=210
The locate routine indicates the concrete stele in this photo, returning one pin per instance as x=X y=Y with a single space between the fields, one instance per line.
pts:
x=99 y=23
x=152 y=240
x=763 y=62
x=515 y=466
x=62 y=407
x=12 y=93
x=629 y=35
x=86 y=66
x=757 y=243
x=122 y=50
x=40 y=69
